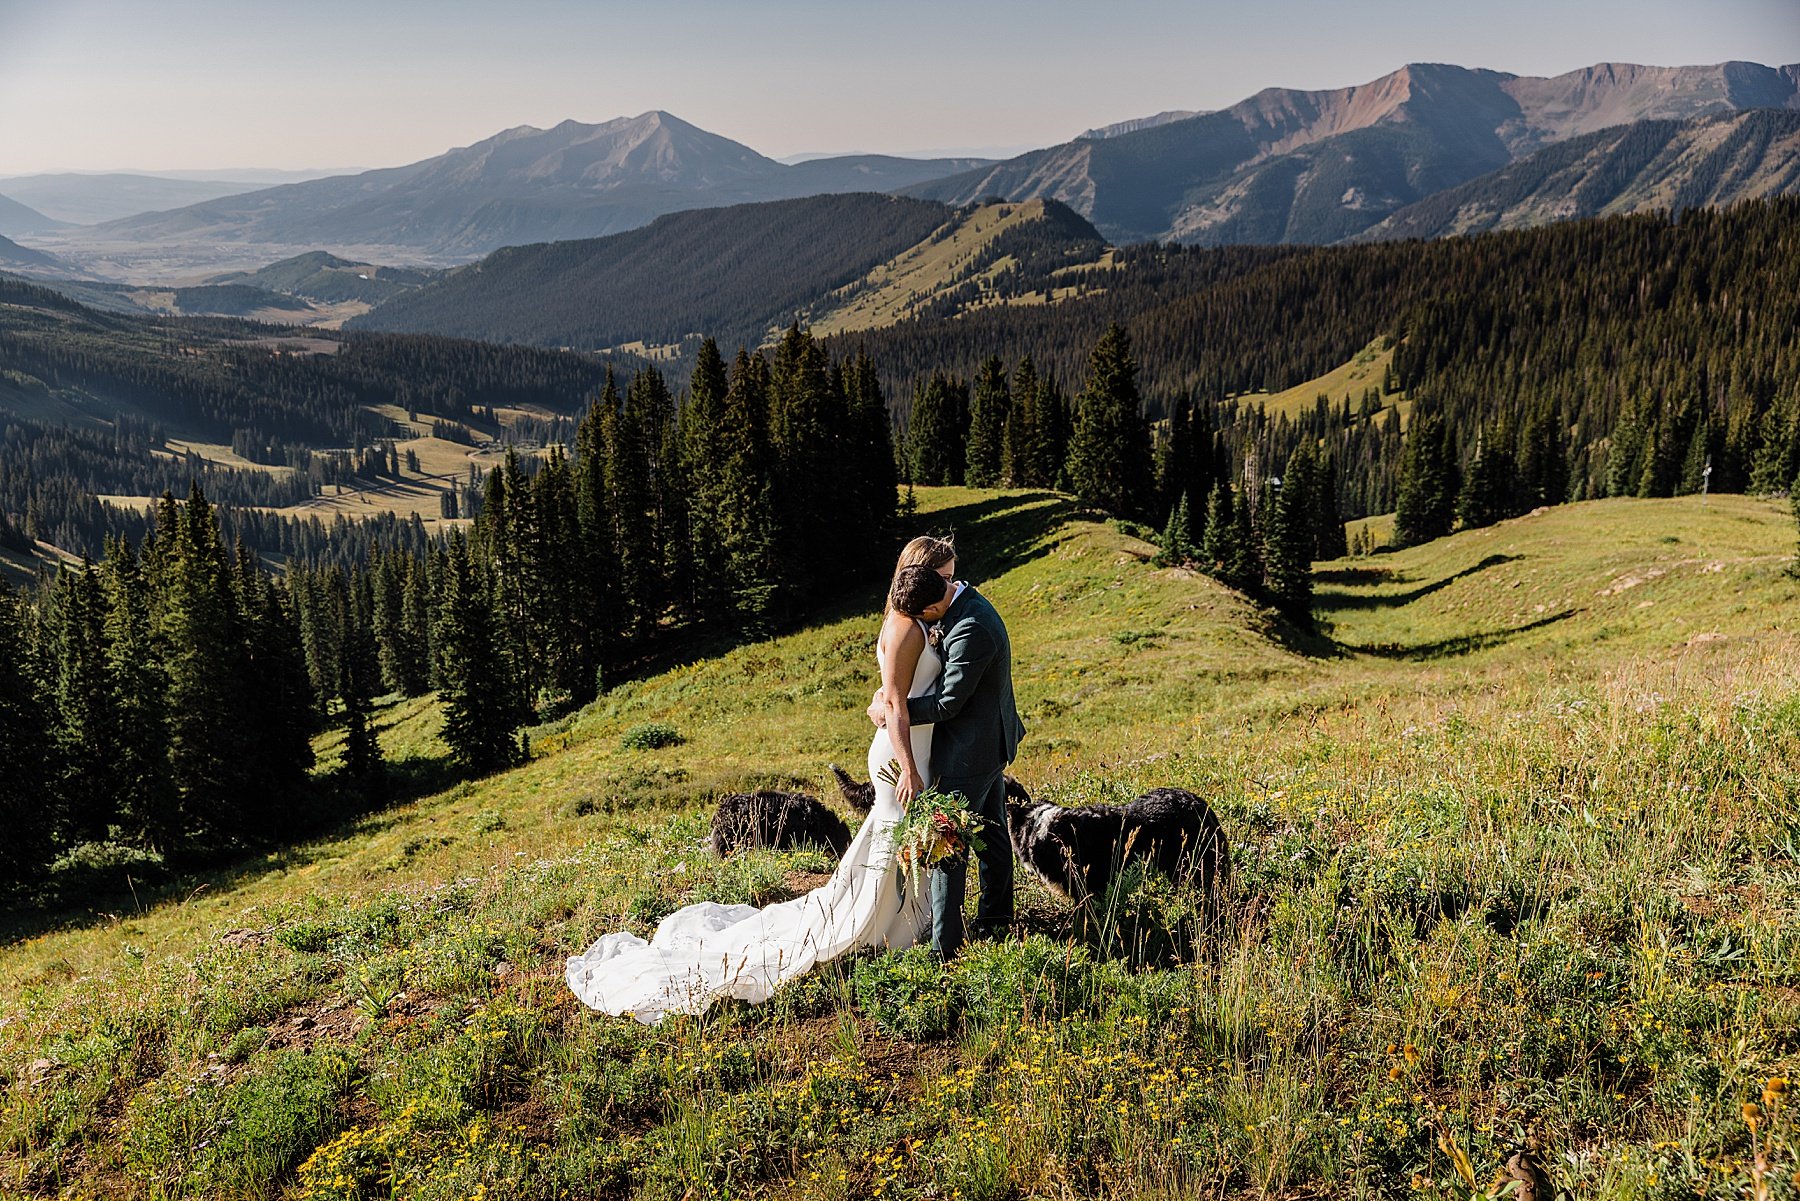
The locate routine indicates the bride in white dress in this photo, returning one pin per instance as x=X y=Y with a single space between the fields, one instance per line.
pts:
x=706 y=951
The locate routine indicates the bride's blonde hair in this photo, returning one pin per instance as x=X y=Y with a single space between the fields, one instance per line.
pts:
x=923 y=551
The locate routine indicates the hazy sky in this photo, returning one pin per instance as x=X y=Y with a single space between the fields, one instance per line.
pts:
x=168 y=84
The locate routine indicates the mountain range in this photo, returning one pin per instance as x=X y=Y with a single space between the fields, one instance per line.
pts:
x=1707 y=161
x=1324 y=166
x=1283 y=166
x=528 y=185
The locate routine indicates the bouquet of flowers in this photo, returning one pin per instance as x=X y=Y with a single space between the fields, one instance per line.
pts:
x=934 y=827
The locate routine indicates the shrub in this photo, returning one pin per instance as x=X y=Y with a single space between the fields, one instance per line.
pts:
x=651 y=736
x=908 y=994
x=91 y=867
x=1035 y=978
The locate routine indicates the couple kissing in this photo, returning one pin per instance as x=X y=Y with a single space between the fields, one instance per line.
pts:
x=945 y=716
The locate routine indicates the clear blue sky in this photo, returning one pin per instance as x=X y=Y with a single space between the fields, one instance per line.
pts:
x=168 y=84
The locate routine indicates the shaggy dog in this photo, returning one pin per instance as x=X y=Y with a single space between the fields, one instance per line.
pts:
x=1077 y=852
x=776 y=820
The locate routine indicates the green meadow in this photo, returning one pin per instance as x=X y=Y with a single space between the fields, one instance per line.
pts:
x=1516 y=843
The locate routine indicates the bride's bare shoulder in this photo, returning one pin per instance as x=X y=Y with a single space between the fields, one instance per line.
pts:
x=897 y=630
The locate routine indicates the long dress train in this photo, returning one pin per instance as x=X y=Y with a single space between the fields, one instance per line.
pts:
x=706 y=951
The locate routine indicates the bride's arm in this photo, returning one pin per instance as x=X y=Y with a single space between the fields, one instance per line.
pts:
x=901 y=644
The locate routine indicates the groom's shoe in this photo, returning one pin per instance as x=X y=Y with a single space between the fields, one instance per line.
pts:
x=986 y=932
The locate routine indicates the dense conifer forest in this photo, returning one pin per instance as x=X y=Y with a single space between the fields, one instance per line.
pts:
x=141 y=693
x=1603 y=357
x=730 y=274
x=306 y=401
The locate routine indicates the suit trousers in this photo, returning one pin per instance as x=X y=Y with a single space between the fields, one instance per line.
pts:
x=949 y=880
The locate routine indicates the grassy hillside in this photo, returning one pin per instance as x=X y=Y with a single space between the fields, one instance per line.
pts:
x=966 y=262
x=1515 y=868
x=1367 y=369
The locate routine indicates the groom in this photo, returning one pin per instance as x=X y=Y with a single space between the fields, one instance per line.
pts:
x=978 y=735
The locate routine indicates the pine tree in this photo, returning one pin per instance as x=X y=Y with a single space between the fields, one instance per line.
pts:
x=282 y=714
x=1183 y=458
x=24 y=750
x=559 y=642
x=147 y=809
x=211 y=764
x=806 y=450
x=482 y=711
x=934 y=435
x=1329 y=539
x=86 y=723
x=1544 y=461
x=1696 y=461
x=871 y=450
x=747 y=516
x=598 y=603
x=990 y=406
x=702 y=459
x=1217 y=548
x=1018 y=439
x=629 y=500
x=1426 y=504
x=1177 y=544
x=359 y=675
x=1289 y=539
x=1052 y=421
x=1244 y=568
x=1482 y=499
x=1109 y=453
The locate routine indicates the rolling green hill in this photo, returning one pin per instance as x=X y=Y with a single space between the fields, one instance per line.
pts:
x=728 y=273
x=318 y=275
x=1515 y=871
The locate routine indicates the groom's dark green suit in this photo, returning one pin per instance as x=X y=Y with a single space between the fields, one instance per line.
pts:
x=978 y=732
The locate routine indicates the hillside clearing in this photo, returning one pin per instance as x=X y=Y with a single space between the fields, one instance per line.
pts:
x=1512 y=871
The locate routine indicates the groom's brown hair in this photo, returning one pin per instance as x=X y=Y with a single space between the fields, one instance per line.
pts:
x=916 y=589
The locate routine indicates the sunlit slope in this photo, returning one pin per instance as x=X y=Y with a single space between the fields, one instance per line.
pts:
x=1367 y=369
x=960 y=258
x=1486 y=832
x=1119 y=666
x=1590 y=582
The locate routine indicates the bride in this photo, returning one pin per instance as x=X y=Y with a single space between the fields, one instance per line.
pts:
x=706 y=951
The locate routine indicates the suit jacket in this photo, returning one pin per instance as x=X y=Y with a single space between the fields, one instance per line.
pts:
x=978 y=723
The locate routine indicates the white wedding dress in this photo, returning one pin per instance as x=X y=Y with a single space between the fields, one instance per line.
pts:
x=706 y=951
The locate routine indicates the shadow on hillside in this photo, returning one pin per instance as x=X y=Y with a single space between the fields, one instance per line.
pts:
x=1334 y=599
x=1007 y=533
x=344 y=810
x=1309 y=642
x=1462 y=644
x=1354 y=577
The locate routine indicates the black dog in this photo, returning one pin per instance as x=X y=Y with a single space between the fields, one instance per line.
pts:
x=1077 y=852
x=776 y=820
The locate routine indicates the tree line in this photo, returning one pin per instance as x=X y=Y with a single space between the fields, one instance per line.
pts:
x=1256 y=530
x=163 y=698
x=1643 y=347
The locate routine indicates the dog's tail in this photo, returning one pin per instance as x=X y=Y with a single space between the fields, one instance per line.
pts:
x=860 y=797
